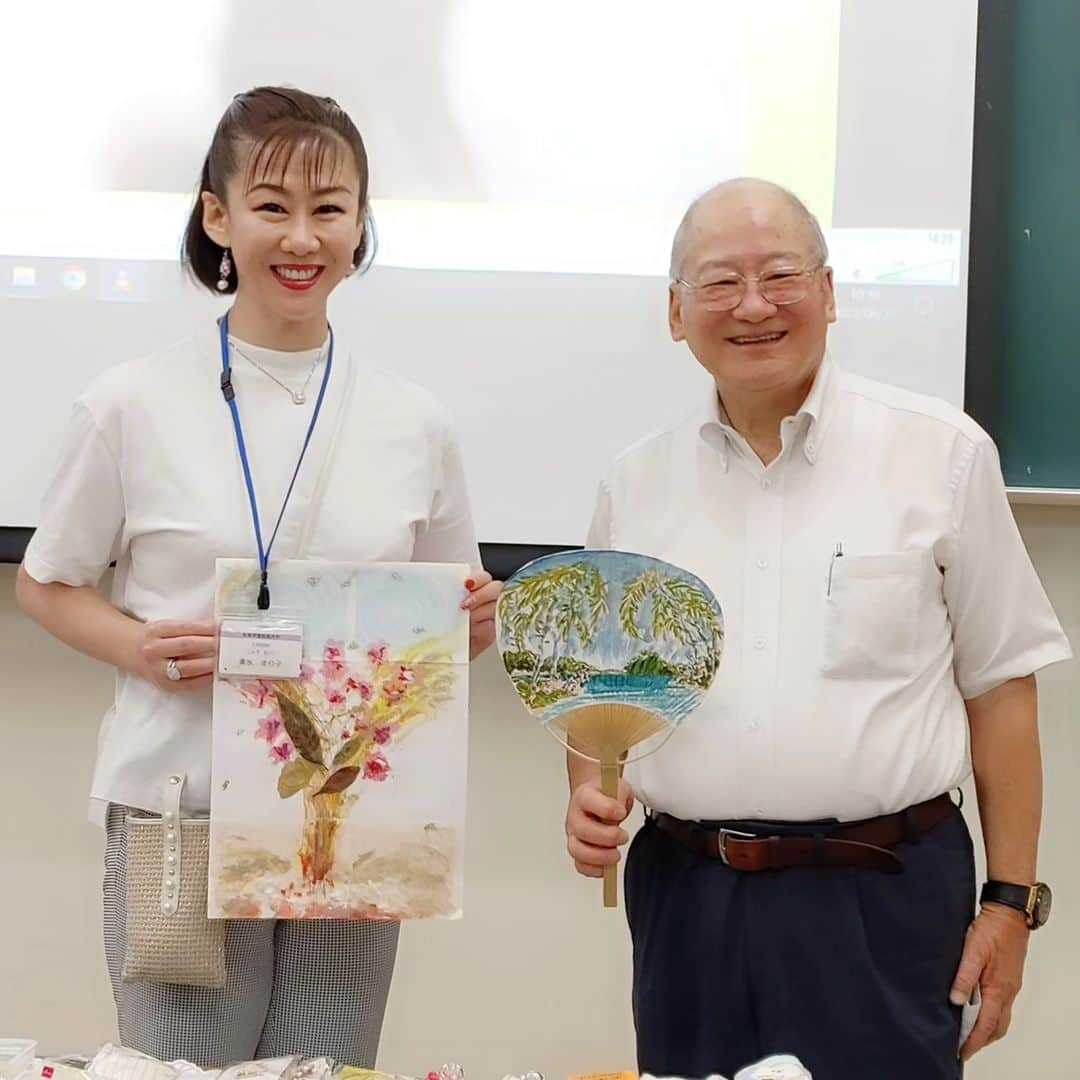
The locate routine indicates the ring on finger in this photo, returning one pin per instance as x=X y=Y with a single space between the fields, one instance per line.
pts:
x=172 y=670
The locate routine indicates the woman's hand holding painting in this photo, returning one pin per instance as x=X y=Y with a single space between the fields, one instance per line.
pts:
x=480 y=604
x=191 y=647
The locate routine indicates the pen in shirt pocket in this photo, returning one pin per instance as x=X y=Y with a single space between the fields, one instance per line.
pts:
x=838 y=552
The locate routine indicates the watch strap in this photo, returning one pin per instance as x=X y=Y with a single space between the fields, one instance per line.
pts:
x=1005 y=892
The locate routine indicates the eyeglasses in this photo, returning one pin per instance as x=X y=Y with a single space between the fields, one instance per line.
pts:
x=778 y=287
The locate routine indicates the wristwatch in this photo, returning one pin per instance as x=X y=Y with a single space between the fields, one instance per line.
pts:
x=1033 y=900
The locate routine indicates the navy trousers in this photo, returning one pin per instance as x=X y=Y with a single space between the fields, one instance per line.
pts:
x=848 y=969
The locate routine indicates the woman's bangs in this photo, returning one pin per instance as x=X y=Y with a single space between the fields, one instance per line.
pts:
x=322 y=156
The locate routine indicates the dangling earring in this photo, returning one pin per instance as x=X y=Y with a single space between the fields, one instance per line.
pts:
x=371 y=245
x=224 y=271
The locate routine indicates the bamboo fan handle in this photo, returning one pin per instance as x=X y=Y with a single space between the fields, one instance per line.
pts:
x=609 y=783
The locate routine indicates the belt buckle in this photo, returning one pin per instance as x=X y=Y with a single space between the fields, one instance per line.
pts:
x=722 y=841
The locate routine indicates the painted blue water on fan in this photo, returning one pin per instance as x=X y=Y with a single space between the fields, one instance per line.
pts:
x=655 y=692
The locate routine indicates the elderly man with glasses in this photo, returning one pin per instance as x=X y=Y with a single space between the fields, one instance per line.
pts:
x=803 y=882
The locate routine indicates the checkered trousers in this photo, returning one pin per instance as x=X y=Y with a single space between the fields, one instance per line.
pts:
x=292 y=987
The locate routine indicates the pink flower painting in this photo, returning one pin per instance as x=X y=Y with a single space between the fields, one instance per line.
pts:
x=331 y=731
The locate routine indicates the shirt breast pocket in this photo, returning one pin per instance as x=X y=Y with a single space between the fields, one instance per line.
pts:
x=873 y=608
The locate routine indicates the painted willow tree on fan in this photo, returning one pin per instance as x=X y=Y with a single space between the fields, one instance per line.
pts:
x=609 y=650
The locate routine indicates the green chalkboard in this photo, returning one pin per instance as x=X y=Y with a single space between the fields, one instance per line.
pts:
x=1023 y=355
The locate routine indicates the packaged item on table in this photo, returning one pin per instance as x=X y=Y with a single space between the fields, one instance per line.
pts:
x=60 y=1069
x=120 y=1063
x=16 y=1057
x=319 y=1068
x=776 y=1067
x=186 y=1071
x=447 y=1072
x=354 y=1072
x=267 y=1069
x=649 y=1076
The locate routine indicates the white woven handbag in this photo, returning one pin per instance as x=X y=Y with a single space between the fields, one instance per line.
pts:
x=169 y=937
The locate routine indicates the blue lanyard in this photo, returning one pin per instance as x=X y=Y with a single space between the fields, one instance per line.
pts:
x=229 y=393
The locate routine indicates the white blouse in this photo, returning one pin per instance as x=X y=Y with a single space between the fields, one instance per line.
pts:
x=149 y=476
x=841 y=688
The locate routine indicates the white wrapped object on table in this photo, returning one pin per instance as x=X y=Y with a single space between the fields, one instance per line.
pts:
x=16 y=1057
x=649 y=1076
x=282 y=1068
x=776 y=1067
x=58 y=1069
x=119 y=1063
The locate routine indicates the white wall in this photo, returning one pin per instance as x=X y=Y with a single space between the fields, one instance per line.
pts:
x=538 y=974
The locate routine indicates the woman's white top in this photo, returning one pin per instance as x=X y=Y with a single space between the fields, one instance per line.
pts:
x=150 y=476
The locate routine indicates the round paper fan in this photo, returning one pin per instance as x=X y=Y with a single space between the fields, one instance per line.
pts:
x=610 y=651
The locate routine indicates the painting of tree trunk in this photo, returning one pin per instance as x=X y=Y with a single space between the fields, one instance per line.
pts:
x=577 y=627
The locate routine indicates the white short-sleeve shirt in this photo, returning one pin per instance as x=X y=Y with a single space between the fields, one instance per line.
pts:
x=149 y=476
x=841 y=689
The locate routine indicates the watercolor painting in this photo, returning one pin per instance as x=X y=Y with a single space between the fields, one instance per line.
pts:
x=341 y=794
x=587 y=627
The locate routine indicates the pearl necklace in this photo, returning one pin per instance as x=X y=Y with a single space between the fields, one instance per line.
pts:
x=299 y=397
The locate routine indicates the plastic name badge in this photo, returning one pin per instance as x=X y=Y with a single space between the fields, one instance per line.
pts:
x=260 y=649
